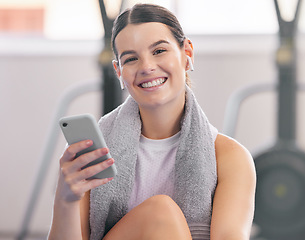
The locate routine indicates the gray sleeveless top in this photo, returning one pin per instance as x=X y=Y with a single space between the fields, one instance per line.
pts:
x=195 y=168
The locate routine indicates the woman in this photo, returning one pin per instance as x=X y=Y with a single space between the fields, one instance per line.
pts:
x=178 y=178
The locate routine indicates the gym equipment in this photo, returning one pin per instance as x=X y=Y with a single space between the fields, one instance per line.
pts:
x=112 y=98
x=280 y=193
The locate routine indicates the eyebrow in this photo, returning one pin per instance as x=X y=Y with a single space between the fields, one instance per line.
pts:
x=151 y=46
x=126 y=52
x=157 y=43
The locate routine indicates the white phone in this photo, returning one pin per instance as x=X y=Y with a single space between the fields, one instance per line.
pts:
x=84 y=127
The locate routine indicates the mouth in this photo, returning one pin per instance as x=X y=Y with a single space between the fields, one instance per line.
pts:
x=154 y=83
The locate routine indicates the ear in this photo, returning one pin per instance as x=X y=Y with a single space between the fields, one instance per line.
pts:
x=188 y=48
x=116 y=67
x=189 y=51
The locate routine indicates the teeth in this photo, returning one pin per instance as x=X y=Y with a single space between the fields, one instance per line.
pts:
x=154 y=83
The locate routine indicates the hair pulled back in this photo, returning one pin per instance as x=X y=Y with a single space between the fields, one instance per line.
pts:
x=145 y=13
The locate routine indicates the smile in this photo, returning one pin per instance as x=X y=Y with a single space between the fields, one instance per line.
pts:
x=154 y=83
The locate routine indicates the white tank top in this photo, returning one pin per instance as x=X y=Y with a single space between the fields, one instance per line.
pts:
x=154 y=169
x=156 y=160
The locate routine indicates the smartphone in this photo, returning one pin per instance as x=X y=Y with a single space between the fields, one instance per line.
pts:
x=84 y=127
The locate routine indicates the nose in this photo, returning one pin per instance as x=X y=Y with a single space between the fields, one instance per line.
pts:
x=147 y=66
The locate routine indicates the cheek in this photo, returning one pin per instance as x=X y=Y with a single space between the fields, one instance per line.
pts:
x=172 y=64
x=127 y=74
x=175 y=66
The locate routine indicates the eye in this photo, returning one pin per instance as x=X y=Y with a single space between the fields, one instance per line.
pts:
x=131 y=59
x=158 y=51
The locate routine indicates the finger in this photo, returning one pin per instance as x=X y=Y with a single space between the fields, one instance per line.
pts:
x=90 y=184
x=86 y=158
x=77 y=164
x=73 y=149
x=89 y=171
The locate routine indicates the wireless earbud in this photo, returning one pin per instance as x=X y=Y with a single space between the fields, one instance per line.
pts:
x=121 y=83
x=190 y=63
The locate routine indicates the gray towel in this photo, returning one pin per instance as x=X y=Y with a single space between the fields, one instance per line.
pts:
x=195 y=168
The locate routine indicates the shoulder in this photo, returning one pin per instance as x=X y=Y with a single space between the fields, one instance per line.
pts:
x=233 y=157
x=226 y=147
x=235 y=190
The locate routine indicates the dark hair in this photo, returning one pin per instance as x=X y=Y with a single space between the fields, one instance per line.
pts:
x=144 y=13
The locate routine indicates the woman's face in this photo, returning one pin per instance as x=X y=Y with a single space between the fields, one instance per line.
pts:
x=151 y=64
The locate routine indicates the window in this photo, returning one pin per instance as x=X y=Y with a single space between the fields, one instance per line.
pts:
x=228 y=17
x=81 y=19
x=22 y=17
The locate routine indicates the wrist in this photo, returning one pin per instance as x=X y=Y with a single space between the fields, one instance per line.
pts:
x=63 y=204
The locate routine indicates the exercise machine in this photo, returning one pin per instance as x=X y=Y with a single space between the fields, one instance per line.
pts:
x=280 y=193
x=112 y=97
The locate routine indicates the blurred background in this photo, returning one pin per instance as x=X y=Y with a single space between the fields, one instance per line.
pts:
x=50 y=49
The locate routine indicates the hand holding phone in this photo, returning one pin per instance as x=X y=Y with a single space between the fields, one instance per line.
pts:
x=84 y=127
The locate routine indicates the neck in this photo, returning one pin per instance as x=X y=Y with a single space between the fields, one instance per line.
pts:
x=163 y=121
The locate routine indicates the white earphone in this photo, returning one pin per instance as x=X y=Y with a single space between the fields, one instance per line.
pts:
x=121 y=83
x=190 y=63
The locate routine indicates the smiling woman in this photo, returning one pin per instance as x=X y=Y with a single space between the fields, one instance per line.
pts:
x=178 y=178
x=151 y=58
x=154 y=58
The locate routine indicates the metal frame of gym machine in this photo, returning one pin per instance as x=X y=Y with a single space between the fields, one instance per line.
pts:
x=112 y=97
x=280 y=193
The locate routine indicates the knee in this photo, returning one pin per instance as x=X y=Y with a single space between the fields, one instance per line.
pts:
x=160 y=201
x=163 y=215
x=162 y=207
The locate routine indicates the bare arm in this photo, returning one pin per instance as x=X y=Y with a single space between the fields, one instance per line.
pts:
x=233 y=206
x=71 y=204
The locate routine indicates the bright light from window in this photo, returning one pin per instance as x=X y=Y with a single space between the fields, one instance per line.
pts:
x=81 y=19
x=287 y=9
x=165 y=3
x=73 y=19
x=21 y=3
x=228 y=17
x=112 y=8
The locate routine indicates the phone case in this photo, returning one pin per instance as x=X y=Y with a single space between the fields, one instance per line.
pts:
x=84 y=127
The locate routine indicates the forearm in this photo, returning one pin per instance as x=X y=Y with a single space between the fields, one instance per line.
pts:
x=72 y=198
x=66 y=222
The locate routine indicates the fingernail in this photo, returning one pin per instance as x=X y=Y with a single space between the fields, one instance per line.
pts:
x=106 y=150
x=110 y=161
x=103 y=151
